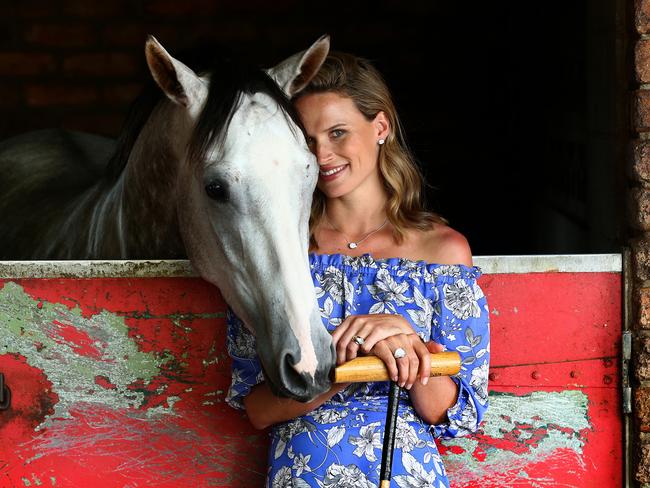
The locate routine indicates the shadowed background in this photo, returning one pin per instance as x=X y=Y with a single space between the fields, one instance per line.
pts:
x=517 y=113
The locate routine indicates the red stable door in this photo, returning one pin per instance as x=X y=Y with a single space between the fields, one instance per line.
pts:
x=555 y=414
x=118 y=374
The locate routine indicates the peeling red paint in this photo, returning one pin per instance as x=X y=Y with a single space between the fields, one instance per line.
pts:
x=565 y=327
x=104 y=382
x=75 y=338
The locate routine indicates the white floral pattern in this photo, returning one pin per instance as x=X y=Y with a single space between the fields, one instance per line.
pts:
x=367 y=441
x=339 y=444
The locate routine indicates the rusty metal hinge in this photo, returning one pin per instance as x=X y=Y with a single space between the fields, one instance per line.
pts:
x=626 y=350
x=5 y=394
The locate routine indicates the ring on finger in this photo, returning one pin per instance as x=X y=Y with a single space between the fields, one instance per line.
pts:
x=360 y=341
x=399 y=353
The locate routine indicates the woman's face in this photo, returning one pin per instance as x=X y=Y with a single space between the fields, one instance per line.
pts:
x=344 y=142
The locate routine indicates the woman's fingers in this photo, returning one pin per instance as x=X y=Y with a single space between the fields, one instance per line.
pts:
x=434 y=347
x=376 y=334
x=402 y=369
x=425 y=362
x=383 y=352
x=361 y=332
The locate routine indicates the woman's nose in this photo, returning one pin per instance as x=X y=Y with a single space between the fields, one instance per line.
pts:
x=322 y=152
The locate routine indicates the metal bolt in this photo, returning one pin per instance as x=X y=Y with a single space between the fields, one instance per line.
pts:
x=573 y=374
x=493 y=376
x=536 y=375
x=607 y=379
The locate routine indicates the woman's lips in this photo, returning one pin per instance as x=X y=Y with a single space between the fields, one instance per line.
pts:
x=328 y=173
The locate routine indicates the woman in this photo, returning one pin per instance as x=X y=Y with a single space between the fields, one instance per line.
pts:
x=392 y=280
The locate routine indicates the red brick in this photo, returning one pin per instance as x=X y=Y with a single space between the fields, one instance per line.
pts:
x=122 y=93
x=174 y=8
x=56 y=35
x=642 y=408
x=643 y=359
x=642 y=304
x=639 y=208
x=102 y=64
x=641 y=160
x=136 y=34
x=642 y=16
x=641 y=257
x=84 y=8
x=642 y=110
x=27 y=9
x=643 y=468
x=41 y=95
x=10 y=95
x=642 y=60
x=25 y=64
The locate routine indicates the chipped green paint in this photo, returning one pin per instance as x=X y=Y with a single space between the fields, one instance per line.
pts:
x=561 y=416
x=30 y=331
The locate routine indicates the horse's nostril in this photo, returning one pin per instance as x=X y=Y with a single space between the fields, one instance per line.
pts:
x=299 y=385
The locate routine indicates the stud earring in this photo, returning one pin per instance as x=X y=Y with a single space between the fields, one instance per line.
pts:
x=380 y=142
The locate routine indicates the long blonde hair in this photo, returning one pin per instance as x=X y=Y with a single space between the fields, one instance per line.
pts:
x=357 y=79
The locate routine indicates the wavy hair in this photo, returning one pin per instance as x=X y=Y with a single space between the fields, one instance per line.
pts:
x=356 y=78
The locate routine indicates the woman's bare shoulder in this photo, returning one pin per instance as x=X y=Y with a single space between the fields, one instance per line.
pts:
x=444 y=245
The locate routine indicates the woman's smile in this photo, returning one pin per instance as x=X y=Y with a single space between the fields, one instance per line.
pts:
x=328 y=173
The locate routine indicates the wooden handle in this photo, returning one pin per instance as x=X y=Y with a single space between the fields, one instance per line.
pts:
x=371 y=368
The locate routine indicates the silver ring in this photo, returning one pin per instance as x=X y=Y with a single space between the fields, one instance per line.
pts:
x=359 y=340
x=399 y=353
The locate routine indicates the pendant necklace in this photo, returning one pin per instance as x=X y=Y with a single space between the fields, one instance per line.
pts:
x=355 y=244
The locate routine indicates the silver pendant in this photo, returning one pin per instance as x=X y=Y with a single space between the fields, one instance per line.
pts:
x=352 y=245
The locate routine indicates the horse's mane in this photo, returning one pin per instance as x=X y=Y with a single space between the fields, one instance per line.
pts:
x=228 y=81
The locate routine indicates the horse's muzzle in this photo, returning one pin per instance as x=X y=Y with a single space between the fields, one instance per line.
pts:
x=288 y=382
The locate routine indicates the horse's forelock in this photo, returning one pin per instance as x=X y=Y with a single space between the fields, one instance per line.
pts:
x=224 y=96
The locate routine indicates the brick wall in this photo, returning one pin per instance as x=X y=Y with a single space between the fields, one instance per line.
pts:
x=78 y=64
x=639 y=221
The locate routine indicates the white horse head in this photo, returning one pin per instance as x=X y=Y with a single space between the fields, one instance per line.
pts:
x=246 y=181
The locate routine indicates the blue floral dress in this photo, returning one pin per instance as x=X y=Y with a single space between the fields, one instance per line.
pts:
x=339 y=444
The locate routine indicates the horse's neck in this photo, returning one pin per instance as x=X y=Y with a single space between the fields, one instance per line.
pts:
x=135 y=216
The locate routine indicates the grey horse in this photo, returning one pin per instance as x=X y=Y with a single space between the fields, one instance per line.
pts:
x=217 y=169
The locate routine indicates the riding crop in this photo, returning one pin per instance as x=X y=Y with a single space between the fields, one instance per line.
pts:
x=371 y=368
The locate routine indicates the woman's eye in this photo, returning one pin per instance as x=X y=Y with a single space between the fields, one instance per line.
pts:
x=217 y=190
x=336 y=133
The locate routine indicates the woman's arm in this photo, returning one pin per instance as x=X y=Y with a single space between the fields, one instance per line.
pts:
x=432 y=400
x=264 y=408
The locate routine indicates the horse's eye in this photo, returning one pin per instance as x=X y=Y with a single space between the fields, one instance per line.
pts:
x=217 y=190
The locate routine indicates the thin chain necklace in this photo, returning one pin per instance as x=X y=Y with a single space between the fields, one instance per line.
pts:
x=355 y=244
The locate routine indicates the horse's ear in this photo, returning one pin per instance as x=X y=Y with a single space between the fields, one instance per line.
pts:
x=294 y=73
x=181 y=85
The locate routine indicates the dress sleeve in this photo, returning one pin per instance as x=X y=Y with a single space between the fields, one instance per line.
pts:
x=461 y=322
x=246 y=367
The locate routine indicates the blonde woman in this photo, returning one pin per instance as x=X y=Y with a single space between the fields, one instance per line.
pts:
x=392 y=280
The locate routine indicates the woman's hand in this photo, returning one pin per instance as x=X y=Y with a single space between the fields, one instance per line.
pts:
x=382 y=335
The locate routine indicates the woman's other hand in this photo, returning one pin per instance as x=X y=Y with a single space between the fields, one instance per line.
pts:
x=382 y=335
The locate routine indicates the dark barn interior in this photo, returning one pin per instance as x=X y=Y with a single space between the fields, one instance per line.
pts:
x=516 y=111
